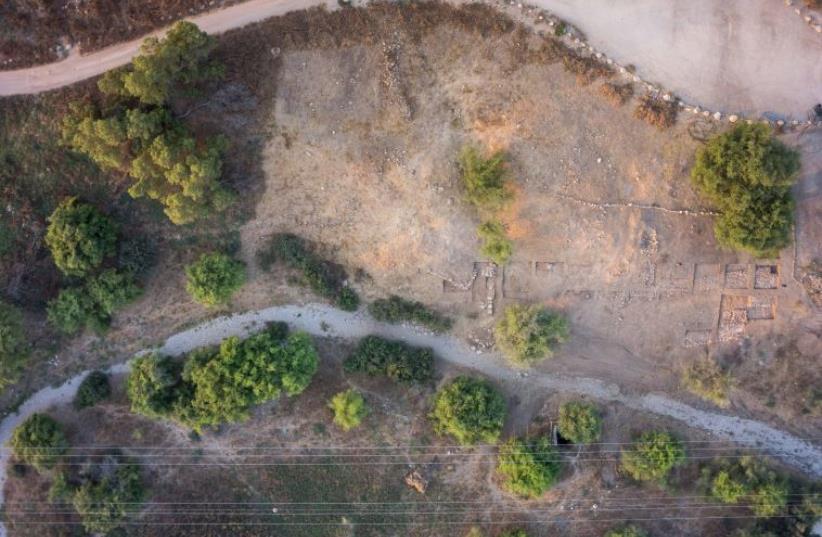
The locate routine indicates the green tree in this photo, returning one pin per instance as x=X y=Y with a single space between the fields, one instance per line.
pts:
x=580 y=422
x=398 y=361
x=626 y=531
x=154 y=385
x=349 y=409
x=180 y=59
x=103 y=140
x=104 y=503
x=653 y=456
x=395 y=310
x=80 y=237
x=748 y=174
x=14 y=349
x=514 y=533
x=469 y=409
x=526 y=334
x=708 y=380
x=39 y=441
x=214 y=278
x=484 y=179
x=750 y=482
x=94 y=388
x=529 y=467
x=496 y=246
x=93 y=304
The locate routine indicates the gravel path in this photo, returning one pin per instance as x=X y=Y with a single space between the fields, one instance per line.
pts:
x=324 y=320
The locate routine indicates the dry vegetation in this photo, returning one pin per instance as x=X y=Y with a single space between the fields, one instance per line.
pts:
x=657 y=112
x=617 y=94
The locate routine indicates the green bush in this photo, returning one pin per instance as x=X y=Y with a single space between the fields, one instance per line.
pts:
x=397 y=310
x=104 y=503
x=529 y=467
x=214 y=278
x=748 y=175
x=60 y=489
x=750 y=482
x=626 y=531
x=39 y=441
x=398 y=361
x=469 y=409
x=514 y=533
x=93 y=304
x=180 y=59
x=496 y=246
x=484 y=179
x=323 y=277
x=14 y=349
x=580 y=422
x=349 y=409
x=706 y=379
x=652 y=456
x=154 y=385
x=526 y=334
x=80 y=237
x=94 y=388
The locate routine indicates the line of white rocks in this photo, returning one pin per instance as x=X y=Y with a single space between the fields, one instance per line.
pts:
x=575 y=39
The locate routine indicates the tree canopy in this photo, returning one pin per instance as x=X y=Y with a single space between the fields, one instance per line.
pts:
x=214 y=278
x=94 y=388
x=529 y=467
x=526 y=334
x=469 y=409
x=395 y=309
x=349 y=409
x=626 y=531
x=103 y=502
x=748 y=174
x=80 y=237
x=92 y=304
x=14 y=349
x=396 y=360
x=39 y=441
x=484 y=179
x=750 y=482
x=580 y=422
x=496 y=246
x=652 y=456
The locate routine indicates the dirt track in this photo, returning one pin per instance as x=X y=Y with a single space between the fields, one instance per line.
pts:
x=327 y=321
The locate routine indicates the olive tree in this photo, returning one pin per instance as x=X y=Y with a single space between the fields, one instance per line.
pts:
x=80 y=237
x=214 y=278
x=652 y=456
x=39 y=441
x=469 y=409
x=526 y=334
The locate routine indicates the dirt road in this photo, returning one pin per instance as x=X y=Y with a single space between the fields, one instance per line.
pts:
x=326 y=321
x=738 y=56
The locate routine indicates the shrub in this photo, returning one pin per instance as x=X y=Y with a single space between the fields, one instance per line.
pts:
x=39 y=441
x=80 y=237
x=748 y=175
x=178 y=59
x=349 y=409
x=484 y=179
x=514 y=533
x=136 y=256
x=617 y=94
x=154 y=385
x=706 y=379
x=14 y=349
x=626 y=531
x=94 y=388
x=214 y=278
x=752 y=483
x=348 y=299
x=105 y=502
x=580 y=422
x=529 y=467
x=657 y=112
x=526 y=334
x=586 y=68
x=653 y=456
x=396 y=310
x=60 y=489
x=469 y=409
x=398 y=361
x=93 y=304
x=496 y=246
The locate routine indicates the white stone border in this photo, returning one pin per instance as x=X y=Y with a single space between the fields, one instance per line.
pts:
x=575 y=39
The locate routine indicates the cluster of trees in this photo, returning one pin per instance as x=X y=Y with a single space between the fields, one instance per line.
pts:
x=102 y=492
x=82 y=240
x=748 y=174
x=138 y=135
x=652 y=456
x=395 y=309
x=215 y=386
x=214 y=278
x=469 y=409
x=529 y=466
x=396 y=360
x=485 y=183
x=750 y=482
x=349 y=409
x=325 y=278
x=527 y=334
x=14 y=347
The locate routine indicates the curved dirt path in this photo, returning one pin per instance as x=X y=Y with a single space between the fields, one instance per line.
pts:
x=737 y=56
x=322 y=320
